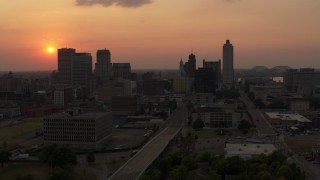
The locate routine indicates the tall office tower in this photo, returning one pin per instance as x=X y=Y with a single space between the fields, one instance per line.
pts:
x=216 y=66
x=122 y=70
x=81 y=69
x=65 y=58
x=103 y=66
x=228 y=72
x=190 y=65
x=181 y=69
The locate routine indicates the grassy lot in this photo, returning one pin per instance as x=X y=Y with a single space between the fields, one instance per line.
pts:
x=17 y=133
x=209 y=133
x=40 y=172
x=12 y=172
x=302 y=143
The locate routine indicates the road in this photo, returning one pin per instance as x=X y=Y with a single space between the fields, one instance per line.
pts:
x=263 y=126
x=135 y=167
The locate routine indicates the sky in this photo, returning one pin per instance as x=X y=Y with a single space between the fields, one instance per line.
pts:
x=156 y=34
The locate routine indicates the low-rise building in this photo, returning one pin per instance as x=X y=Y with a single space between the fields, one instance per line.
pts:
x=299 y=105
x=215 y=117
x=286 y=120
x=246 y=151
x=124 y=105
x=78 y=130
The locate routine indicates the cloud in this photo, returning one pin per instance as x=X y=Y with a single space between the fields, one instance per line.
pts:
x=106 y=3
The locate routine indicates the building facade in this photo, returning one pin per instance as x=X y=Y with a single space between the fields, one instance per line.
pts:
x=65 y=62
x=103 y=67
x=190 y=66
x=78 y=130
x=205 y=81
x=122 y=70
x=216 y=66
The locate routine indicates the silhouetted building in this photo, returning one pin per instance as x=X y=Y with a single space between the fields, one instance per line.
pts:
x=190 y=66
x=124 y=105
x=65 y=62
x=182 y=84
x=228 y=71
x=103 y=67
x=74 y=68
x=78 y=130
x=305 y=78
x=63 y=95
x=82 y=69
x=216 y=66
x=205 y=80
x=153 y=87
x=122 y=70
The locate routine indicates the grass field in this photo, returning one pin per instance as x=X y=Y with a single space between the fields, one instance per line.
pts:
x=302 y=143
x=41 y=172
x=17 y=133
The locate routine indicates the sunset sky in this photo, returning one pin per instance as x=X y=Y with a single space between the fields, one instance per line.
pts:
x=158 y=33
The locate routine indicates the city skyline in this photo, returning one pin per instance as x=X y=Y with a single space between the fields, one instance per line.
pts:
x=157 y=34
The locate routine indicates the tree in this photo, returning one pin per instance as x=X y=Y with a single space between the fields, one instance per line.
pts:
x=90 y=157
x=251 y=96
x=198 y=124
x=244 y=124
x=178 y=173
x=4 y=154
x=190 y=119
x=214 y=176
x=277 y=104
x=59 y=174
x=285 y=171
x=58 y=155
x=264 y=175
x=259 y=104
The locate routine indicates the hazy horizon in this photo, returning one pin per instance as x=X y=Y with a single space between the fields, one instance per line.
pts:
x=157 y=34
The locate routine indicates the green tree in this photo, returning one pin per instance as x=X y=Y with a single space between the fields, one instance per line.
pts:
x=178 y=173
x=244 y=126
x=264 y=175
x=198 y=124
x=285 y=171
x=25 y=177
x=259 y=104
x=251 y=96
x=213 y=175
x=60 y=174
x=4 y=154
x=58 y=155
x=189 y=163
x=90 y=157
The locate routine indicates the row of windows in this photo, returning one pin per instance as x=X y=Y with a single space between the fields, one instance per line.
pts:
x=68 y=124
x=69 y=120
x=68 y=129
x=70 y=132
x=69 y=138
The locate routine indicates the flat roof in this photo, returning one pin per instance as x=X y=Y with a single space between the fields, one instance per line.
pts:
x=287 y=116
x=248 y=149
x=89 y=115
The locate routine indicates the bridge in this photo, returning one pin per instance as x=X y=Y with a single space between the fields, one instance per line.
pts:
x=136 y=166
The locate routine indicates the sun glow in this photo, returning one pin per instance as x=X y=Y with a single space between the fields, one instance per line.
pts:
x=50 y=49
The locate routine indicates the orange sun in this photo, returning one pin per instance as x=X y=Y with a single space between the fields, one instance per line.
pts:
x=50 y=49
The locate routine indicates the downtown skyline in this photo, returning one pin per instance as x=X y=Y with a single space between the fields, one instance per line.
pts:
x=157 y=34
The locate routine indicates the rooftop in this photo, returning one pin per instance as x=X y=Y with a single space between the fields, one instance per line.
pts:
x=69 y=115
x=248 y=149
x=287 y=116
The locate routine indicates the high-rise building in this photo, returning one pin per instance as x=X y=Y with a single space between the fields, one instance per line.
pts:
x=228 y=71
x=103 y=67
x=216 y=66
x=190 y=65
x=122 y=70
x=74 y=68
x=82 y=69
x=65 y=58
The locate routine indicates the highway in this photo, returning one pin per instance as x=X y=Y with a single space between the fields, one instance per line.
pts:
x=135 y=167
x=263 y=126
